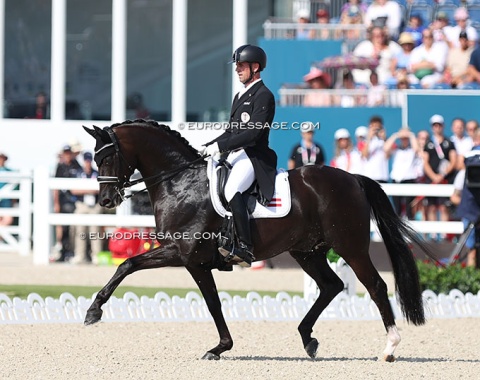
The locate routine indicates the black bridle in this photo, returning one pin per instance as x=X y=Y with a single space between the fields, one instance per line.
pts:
x=121 y=185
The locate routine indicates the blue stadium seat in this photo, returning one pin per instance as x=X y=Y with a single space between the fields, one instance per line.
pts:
x=424 y=10
x=442 y=86
x=474 y=12
x=415 y=86
x=471 y=86
x=449 y=2
x=432 y=3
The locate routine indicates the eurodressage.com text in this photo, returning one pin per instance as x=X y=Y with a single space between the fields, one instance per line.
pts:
x=145 y=235
x=223 y=125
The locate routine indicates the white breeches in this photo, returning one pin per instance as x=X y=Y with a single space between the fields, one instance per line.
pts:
x=242 y=174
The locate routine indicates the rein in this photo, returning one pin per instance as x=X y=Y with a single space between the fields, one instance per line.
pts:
x=127 y=183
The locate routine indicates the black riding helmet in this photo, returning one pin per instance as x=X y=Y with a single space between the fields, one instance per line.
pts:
x=250 y=54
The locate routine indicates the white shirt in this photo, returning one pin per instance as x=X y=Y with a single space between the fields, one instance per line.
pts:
x=391 y=9
x=365 y=49
x=245 y=89
x=404 y=165
x=349 y=161
x=463 y=145
x=376 y=166
x=436 y=55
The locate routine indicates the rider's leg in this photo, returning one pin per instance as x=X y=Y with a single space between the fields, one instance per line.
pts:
x=240 y=179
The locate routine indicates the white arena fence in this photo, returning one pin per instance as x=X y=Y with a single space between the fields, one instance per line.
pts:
x=163 y=308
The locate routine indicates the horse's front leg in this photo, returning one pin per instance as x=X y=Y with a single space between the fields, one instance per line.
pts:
x=156 y=258
x=206 y=283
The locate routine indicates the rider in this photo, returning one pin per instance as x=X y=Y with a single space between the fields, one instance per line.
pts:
x=244 y=144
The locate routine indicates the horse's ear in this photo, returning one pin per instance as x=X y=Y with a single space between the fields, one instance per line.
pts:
x=91 y=132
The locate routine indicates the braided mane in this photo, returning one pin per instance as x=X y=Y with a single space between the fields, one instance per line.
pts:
x=166 y=128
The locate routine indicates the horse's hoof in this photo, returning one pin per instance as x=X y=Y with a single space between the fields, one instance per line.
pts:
x=312 y=348
x=210 y=356
x=92 y=318
x=389 y=358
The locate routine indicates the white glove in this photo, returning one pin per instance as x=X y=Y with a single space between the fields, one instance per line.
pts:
x=212 y=150
x=202 y=150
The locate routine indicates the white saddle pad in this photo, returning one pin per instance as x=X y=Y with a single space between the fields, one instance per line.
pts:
x=278 y=207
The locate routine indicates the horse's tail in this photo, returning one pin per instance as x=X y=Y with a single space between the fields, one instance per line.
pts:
x=396 y=234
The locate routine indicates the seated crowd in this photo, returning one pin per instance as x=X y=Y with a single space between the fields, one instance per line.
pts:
x=411 y=53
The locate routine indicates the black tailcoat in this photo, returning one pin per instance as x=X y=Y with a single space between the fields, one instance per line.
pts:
x=250 y=120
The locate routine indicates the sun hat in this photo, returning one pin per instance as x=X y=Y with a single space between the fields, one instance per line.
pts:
x=361 y=131
x=317 y=73
x=406 y=38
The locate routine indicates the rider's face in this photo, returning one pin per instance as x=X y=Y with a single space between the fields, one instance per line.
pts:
x=243 y=71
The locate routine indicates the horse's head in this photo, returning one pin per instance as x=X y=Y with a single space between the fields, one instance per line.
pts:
x=114 y=169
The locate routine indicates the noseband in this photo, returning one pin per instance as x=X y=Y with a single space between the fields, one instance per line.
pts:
x=121 y=184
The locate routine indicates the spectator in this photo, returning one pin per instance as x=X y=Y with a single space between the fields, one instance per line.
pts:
x=456 y=70
x=323 y=19
x=64 y=202
x=307 y=152
x=427 y=61
x=361 y=136
x=384 y=13
x=317 y=80
x=41 y=106
x=471 y=126
x=419 y=204
x=379 y=47
x=5 y=220
x=87 y=204
x=376 y=91
x=440 y=160
x=415 y=28
x=400 y=63
x=404 y=160
x=437 y=27
x=397 y=98
x=468 y=200
x=463 y=210
x=376 y=160
x=349 y=100
x=303 y=18
x=352 y=13
x=346 y=156
x=452 y=33
x=135 y=103
x=463 y=144
x=474 y=67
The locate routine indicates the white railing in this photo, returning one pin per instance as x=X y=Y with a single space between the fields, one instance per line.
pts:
x=296 y=97
x=18 y=188
x=351 y=34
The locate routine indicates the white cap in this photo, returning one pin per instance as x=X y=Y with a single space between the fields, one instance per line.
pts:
x=307 y=126
x=342 y=133
x=361 y=131
x=303 y=13
x=436 y=119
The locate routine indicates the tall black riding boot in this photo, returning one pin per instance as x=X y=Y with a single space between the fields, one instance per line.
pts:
x=243 y=253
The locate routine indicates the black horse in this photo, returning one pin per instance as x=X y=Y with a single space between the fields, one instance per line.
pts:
x=330 y=209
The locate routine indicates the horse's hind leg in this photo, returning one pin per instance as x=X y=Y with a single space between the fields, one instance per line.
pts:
x=316 y=266
x=376 y=287
x=155 y=258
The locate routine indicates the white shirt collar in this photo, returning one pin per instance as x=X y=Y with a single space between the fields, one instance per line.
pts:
x=245 y=89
